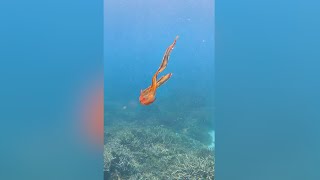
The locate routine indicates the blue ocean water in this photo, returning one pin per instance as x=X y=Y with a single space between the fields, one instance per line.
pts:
x=136 y=35
x=267 y=89
x=50 y=52
x=266 y=71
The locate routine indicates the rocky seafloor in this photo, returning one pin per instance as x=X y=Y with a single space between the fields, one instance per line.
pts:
x=158 y=144
x=155 y=153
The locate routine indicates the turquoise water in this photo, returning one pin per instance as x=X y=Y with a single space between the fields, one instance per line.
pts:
x=165 y=139
x=266 y=73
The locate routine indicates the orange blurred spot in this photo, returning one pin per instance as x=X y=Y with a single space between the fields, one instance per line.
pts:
x=94 y=114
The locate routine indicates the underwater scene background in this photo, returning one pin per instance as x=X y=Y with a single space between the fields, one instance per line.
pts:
x=172 y=138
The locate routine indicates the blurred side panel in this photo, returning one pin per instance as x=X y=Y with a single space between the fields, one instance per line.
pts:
x=51 y=89
x=267 y=90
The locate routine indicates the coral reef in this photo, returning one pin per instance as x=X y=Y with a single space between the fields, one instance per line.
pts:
x=168 y=140
x=154 y=152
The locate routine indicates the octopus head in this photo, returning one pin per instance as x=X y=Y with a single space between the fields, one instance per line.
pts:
x=146 y=99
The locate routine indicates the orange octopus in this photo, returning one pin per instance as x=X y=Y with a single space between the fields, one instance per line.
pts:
x=147 y=96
